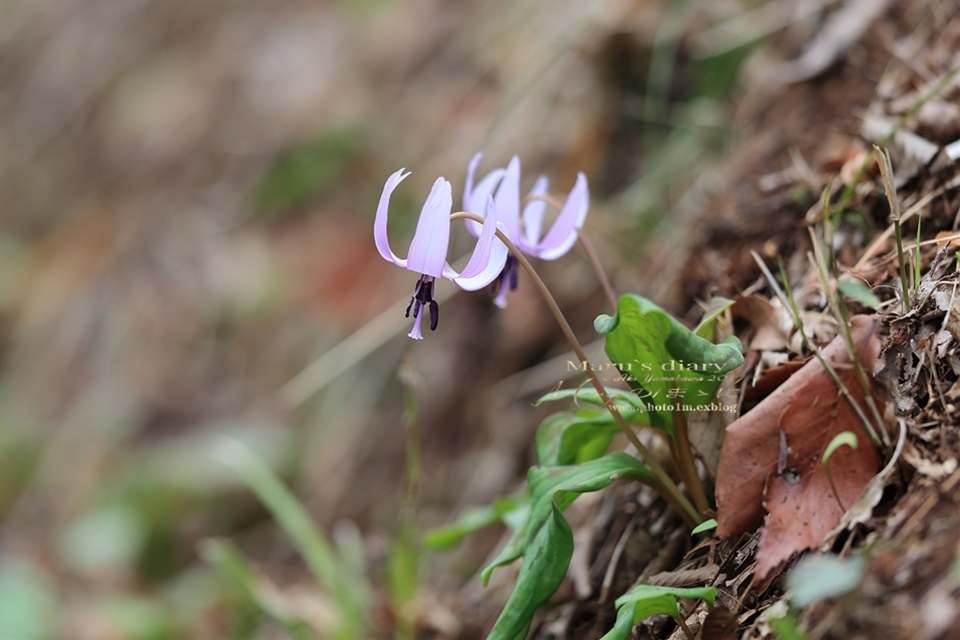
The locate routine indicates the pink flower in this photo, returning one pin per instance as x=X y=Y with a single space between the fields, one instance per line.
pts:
x=524 y=228
x=428 y=250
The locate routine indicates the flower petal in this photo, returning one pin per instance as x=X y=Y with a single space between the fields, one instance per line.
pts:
x=475 y=198
x=488 y=256
x=563 y=233
x=533 y=214
x=508 y=199
x=428 y=250
x=380 y=223
x=468 y=186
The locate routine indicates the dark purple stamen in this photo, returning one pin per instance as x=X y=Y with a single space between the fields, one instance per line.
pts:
x=513 y=268
x=416 y=291
x=423 y=298
x=510 y=273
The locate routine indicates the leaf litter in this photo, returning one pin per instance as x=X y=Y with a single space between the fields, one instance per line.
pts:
x=809 y=412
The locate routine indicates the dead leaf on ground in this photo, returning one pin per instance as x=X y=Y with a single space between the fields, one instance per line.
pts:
x=767 y=380
x=720 y=624
x=809 y=410
x=771 y=324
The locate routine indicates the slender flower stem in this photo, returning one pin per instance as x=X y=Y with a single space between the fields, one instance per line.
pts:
x=671 y=491
x=601 y=274
x=591 y=254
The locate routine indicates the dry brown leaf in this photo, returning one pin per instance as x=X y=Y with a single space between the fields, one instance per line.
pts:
x=810 y=412
x=771 y=378
x=771 y=324
x=720 y=624
x=801 y=505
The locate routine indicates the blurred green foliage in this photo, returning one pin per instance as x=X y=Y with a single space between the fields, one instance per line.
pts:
x=309 y=171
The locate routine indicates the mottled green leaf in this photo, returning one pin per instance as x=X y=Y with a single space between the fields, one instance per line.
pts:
x=667 y=364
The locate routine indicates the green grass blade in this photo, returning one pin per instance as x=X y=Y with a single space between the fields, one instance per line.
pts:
x=230 y=563
x=293 y=518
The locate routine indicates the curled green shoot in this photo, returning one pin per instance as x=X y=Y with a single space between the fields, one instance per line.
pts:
x=847 y=438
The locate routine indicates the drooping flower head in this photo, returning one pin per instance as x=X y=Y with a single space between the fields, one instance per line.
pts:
x=428 y=249
x=524 y=228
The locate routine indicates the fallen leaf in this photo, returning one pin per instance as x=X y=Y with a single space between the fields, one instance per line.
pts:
x=862 y=509
x=809 y=410
x=772 y=325
x=770 y=378
x=720 y=624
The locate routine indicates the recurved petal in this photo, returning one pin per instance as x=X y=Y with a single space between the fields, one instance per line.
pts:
x=479 y=196
x=428 y=250
x=533 y=213
x=563 y=233
x=380 y=223
x=468 y=186
x=488 y=256
x=508 y=199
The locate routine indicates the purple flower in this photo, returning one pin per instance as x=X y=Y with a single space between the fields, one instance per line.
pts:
x=524 y=228
x=428 y=250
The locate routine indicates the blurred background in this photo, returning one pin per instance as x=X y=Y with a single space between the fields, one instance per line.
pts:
x=187 y=194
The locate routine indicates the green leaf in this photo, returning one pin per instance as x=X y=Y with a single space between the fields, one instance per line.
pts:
x=707 y=328
x=706 y=525
x=566 y=438
x=559 y=487
x=544 y=566
x=786 y=627
x=474 y=519
x=659 y=355
x=646 y=592
x=645 y=600
x=817 y=577
x=843 y=438
x=590 y=396
x=623 y=627
x=858 y=291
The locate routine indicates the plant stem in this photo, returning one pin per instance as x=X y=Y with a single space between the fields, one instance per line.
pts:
x=790 y=303
x=591 y=255
x=669 y=487
x=886 y=174
x=598 y=268
x=839 y=308
x=688 y=467
x=683 y=625
x=833 y=487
